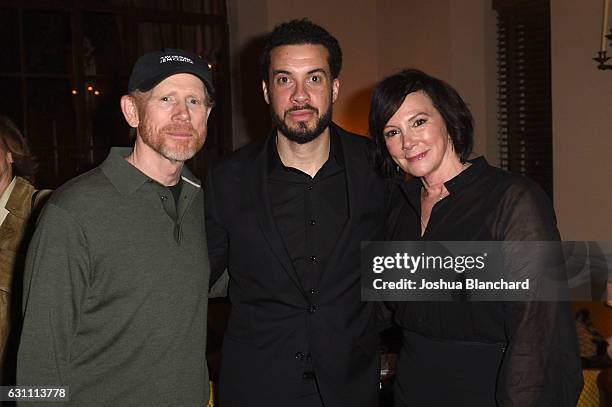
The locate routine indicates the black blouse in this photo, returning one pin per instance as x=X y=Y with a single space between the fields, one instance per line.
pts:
x=489 y=204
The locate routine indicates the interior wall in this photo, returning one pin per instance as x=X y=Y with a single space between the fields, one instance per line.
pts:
x=248 y=23
x=469 y=47
x=582 y=126
x=414 y=34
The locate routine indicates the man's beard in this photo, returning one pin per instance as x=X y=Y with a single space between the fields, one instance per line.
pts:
x=173 y=150
x=302 y=134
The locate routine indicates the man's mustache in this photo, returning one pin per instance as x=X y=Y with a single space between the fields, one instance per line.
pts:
x=179 y=129
x=305 y=107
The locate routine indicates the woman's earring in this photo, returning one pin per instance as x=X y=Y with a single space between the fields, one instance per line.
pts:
x=397 y=168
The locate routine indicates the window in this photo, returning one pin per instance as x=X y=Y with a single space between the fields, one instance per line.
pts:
x=524 y=89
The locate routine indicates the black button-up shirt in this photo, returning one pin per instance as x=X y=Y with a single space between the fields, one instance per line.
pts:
x=309 y=211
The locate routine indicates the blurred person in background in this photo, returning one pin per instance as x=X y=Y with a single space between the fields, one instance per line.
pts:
x=19 y=201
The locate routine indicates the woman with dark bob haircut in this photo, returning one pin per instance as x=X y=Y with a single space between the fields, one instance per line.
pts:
x=462 y=353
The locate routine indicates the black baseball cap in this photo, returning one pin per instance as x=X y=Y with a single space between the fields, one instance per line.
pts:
x=153 y=67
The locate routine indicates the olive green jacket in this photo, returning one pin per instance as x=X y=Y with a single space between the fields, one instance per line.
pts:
x=14 y=238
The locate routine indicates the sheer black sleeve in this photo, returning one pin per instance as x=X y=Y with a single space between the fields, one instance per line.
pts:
x=541 y=365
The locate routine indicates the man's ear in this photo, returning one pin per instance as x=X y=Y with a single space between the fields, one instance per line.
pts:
x=335 y=89
x=9 y=157
x=130 y=110
x=264 y=87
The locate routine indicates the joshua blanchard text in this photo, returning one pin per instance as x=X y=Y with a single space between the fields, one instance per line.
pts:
x=470 y=284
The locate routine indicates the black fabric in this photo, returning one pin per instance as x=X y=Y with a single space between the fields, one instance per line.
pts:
x=176 y=192
x=275 y=318
x=456 y=374
x=309 y=211
x=535 y=342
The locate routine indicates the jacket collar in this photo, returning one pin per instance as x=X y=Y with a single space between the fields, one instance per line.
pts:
x=22 y=192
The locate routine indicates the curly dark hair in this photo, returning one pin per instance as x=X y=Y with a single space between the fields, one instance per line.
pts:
x=389 y=95
x=12 y=141
x=298 y=32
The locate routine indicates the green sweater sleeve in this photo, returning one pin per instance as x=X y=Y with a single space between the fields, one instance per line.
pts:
x=56 y=278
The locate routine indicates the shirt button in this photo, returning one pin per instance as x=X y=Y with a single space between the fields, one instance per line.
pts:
x=312 y=291
x=163 y=197
x=312 y=309
x=309 y=187
x=312 y=258
x=300 y=355
x=312 y=222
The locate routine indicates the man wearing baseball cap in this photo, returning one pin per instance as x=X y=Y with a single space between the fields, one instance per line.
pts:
x=116 y=281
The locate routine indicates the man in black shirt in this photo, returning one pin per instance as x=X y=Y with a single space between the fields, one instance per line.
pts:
x=286 y=217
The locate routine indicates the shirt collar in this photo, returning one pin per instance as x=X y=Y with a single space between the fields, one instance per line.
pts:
x=4 y=200
x=468 y=175
x=412 y=188
x=7 y=193
x=127 y=178
x=335 y=151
